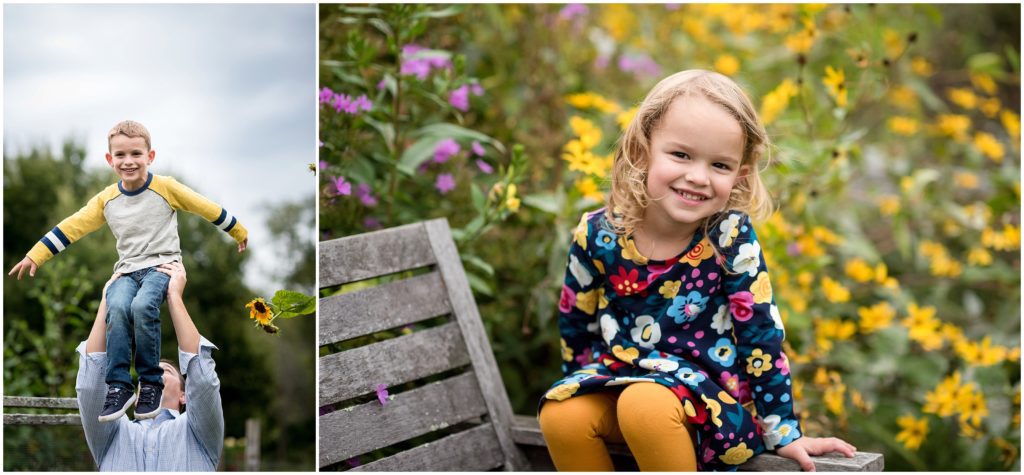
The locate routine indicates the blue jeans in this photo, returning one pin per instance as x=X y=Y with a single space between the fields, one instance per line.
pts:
x=133 y=310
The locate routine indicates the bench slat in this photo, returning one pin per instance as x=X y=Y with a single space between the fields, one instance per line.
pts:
x=526 y=431
x=392 y=362
x=44 y=402
x=370 y=426
x=43 y=419
x=374 y=254
x=475 y=450
x=379 y=308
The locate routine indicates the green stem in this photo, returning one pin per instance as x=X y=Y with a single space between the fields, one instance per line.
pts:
x=395 y=119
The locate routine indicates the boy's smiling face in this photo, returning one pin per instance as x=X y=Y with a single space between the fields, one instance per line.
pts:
x=130 y=158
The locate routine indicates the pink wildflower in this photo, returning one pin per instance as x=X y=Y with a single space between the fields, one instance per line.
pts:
x=478 y=149
x=341 y=187
x=382 y=394
x=459 y=98
x=445 y=183
x=484 y=166
x=366 y=196
x=572 y=10
x=446 y=149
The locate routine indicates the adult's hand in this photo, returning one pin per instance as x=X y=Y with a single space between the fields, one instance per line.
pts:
x=176 y=270
x=26 y=264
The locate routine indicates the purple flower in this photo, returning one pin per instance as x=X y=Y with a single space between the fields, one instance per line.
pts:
x=363 y=103
x=353 y=462
x=326 y=94
x=477 y=89
x=371 y=223
x=381 y=85
x=365 y=195
x=341 y=187
x=672 y=6
x=323 y=163
x=445 y=183
x=445 y=150
x=411 y=49
x=639 y=64
x=484 y=166
x=573 y=10
x=416 y=67
x=478 y=149
x=793 y=249
x=341 y=102
x=459 y=98
x=382 y=394
x=420 y=67
x=321 y=144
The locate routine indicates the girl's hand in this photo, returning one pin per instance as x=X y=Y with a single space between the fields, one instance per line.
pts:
x=21 y=267
x=801 y=450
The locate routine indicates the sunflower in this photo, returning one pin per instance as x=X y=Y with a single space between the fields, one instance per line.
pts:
x=260 y=311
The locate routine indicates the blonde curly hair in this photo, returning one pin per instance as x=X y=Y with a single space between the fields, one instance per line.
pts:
x=628 y=198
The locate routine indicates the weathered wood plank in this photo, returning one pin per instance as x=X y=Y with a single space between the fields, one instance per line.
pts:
x=526 y=431
x=373 y=254
x=391 y=362
x=45 y=402
x=464 y=307
x=475 y=450
x=379 y=308
x=43 y=419
x=370 y=426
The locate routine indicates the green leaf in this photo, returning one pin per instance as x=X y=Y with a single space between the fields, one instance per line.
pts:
x=444 y=13
x=382 y=26
x=547 y=202
x=362 y=10
x=459 y=133
x=479 y=264
x=416 y=154
x=293 y=304
x=479 y=285
x=386 y=130
x=479 y=200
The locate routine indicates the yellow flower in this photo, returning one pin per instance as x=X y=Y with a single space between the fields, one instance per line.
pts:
x=566 y=351
x=990 y=107
x=921 y=67
x=1011 y=122
x=630 y=252
x=966 y=180
x=978 y=256
x=988 y=146
x=588 y=133
x=259 y=311
x=587 y=301
x=727 y=64
x=913 y=431
x=893 y=43
x=942 y=400
x=889 y=205
x=625 y=354
x=876 y=317
x=1005 y=240
x=589 y=100
x=802 y=41
x=859 y=270
x=835 y=81
x=762 y=288
x=758 y=362
x=588 y=188
x=980 y=354
x=714 y=410
x=670 y=289
x=562 y=391
x=833 y=398
x=776 y=101
x=625 y=117
x=580 y=234
x=737 y=455
x=805 y=279
x=984 y=82
x=827 y=331
x=972 y=405
x=954 y=125
x=834 y=291
x=902 y=125
x=962 y=97
x=619 y=20
x=903 y=97
x=923 y=327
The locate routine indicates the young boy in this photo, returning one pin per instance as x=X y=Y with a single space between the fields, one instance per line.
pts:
x=141 y=210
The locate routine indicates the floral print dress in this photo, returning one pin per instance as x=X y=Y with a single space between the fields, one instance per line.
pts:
x=706 y=327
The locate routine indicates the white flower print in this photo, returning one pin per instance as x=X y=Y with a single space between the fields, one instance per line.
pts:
x=658 y=364
x=729 y=231
x=580 y=272
x=609 y=327
x=777 y=318
x=646 y=333
x=722 y=321
x=748 y=259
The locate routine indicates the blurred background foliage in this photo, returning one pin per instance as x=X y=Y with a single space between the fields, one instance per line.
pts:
x=266 y=377
x=895 y=250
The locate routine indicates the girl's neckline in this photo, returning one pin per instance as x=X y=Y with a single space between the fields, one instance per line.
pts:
x=697 y=236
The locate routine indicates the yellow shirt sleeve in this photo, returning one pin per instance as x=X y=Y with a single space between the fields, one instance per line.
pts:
x=73 y=228
x=184 y=198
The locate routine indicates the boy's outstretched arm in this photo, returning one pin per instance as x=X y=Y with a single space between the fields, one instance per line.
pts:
x=27 y=264
x=182 y=197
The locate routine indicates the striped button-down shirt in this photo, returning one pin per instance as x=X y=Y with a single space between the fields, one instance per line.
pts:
x=189 y=442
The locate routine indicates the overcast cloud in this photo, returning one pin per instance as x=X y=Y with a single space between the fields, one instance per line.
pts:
x=227 y=91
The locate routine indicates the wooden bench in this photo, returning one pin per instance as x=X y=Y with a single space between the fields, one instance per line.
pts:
x=417 y=331
x=44 y=403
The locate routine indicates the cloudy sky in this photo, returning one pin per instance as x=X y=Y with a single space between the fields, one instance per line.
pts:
x=228 y=93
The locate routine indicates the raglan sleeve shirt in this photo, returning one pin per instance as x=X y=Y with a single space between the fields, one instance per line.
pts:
x=73 y=228
x=182 y=197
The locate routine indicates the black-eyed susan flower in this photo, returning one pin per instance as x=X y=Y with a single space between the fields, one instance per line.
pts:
x=259 y=311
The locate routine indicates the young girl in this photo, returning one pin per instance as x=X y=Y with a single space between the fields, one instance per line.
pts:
x=671 y=339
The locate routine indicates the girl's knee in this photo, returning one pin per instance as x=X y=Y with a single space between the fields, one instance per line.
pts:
x=644 y=406
x=581 y=416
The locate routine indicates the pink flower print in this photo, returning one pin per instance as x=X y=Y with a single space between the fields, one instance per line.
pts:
x=478 y=149
x=445 y=183
x=341 y=187
x=567 y=301
x=731 y=383
x=459 y=98
x=366 y=196
x=445 y=150
x=741 y=305
x=484 y=166
x=783 y=364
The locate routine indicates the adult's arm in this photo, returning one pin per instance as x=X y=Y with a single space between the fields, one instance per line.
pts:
x=205 y=409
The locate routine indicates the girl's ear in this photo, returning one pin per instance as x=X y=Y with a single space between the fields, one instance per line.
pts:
x=744 y=171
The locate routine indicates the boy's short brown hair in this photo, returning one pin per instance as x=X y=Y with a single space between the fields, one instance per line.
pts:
x=130 y=129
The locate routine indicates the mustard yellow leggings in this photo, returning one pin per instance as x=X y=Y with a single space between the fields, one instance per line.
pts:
x=646 y=416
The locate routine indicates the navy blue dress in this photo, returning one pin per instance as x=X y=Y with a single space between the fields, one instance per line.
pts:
x=704 y=326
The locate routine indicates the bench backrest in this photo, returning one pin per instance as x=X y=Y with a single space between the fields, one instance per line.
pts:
x=445 y=385
x=48 y=403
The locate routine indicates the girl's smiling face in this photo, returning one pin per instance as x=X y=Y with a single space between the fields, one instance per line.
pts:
x=696 y=154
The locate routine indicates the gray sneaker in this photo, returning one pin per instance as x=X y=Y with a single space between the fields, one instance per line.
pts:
x=148 y=405
x=117 y=402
